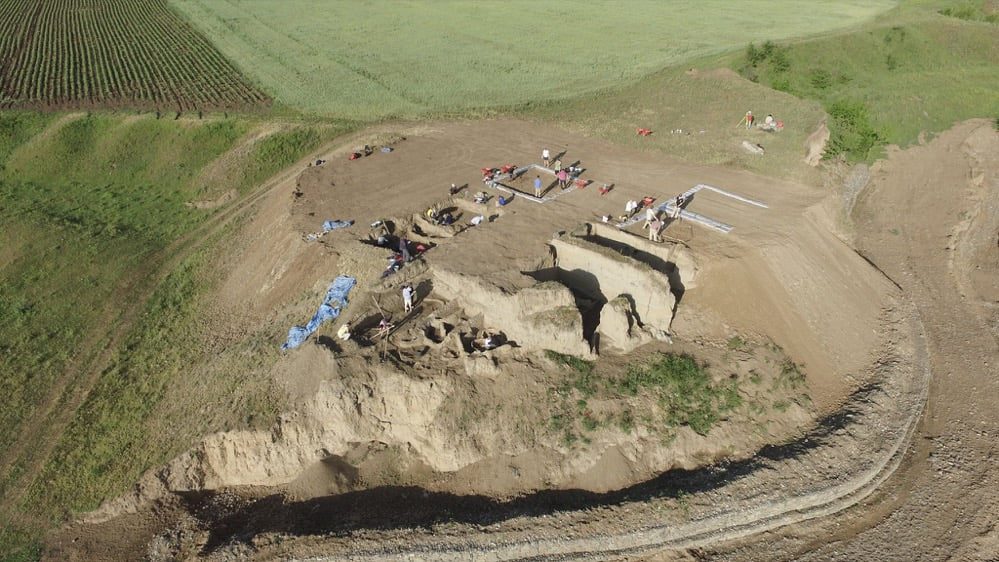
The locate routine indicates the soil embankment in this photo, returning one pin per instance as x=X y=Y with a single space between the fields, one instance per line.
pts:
x=929 y=220
x=427 y=414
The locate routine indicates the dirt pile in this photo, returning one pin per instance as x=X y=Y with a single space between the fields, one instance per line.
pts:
x=536 y=316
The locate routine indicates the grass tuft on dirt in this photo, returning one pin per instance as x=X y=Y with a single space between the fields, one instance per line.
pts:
x=683 y=389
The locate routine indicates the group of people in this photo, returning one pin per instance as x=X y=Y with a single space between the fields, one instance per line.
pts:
x=403 y=250
x=770 y=123
x=440 y=217
x=564 y=176
x=657 y=223
x=385 y=325
x=654 y=221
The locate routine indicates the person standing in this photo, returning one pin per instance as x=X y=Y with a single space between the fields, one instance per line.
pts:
x=748 y=119
x=650 y=215
x=630 y=208
x=655 y=227
x=546 y=157
x=677 y=207
x=537 y=187
x=563 y=179
x=404 y=250
x=558 y=166
x=407 y=297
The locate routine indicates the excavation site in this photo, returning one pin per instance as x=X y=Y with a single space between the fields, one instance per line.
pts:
x=494 y=369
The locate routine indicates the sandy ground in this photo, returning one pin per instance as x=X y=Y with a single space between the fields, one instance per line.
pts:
x=929 y=220
x=781 y=274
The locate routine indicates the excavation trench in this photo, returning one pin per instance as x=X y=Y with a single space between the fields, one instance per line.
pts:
x=641 y=280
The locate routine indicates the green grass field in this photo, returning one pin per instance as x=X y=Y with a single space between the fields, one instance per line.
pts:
x=920 y=71
x=93 y=54
x=381 y=59
x=93 y=206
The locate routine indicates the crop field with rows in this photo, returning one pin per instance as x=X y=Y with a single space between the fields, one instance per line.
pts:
x=112 y=53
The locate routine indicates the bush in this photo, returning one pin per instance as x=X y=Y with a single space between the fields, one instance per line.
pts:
x=851 y=132
x=754 y=56
x=782 y=84
x=820 y=78
x=766 y=53
x=779 y=61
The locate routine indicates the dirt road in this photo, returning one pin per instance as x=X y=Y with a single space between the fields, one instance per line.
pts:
x=929 y=220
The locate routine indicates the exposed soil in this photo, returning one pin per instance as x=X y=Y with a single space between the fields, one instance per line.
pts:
x=929 y=220
x=444 y=451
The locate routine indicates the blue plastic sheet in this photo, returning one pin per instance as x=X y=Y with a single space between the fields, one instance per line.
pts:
x=335 y=224
x=333 y=303
x=328 y=226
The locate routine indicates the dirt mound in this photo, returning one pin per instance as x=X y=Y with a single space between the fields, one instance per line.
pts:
x=425 y=407
x=815 y=145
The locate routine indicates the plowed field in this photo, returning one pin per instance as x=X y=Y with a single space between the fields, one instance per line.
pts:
x=117 y=53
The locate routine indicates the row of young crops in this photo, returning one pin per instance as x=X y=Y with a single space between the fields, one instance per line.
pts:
x=118 y=53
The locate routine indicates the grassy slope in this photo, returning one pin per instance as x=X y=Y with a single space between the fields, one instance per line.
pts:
x=943 y=70
x=85 y=204
x=409 y=59
x=705 y=106
x=913 y=70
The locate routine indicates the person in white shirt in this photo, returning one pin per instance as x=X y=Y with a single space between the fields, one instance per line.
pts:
x=650 y=215
x=630 y=207
x=546 y=157
x=407 y=297
x=344 y=332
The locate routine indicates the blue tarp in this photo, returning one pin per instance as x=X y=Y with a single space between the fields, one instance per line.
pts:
x=335 y=301
x=328 y=226
x=333 y=225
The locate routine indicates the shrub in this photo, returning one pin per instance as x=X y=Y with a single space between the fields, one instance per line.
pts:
x=779 y=61
x=851 y=132
x=820 y=78
x=737 y=343
x=754 y=56
x=782 y=84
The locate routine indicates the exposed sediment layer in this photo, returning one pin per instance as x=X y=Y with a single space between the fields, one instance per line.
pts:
x=835 y=466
